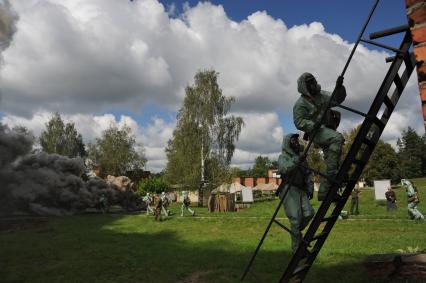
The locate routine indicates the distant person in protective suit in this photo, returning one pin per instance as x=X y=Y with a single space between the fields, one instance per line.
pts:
x=307 y=117
x=300 y=190
x=413 y=200
x=186 y=201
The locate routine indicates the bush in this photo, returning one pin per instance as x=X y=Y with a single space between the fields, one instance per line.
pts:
x=152 y=185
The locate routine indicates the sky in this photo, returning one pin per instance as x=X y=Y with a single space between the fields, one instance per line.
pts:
x=103 y=62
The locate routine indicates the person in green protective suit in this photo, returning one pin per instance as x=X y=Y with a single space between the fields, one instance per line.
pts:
x=165 y=204
x=103 y=203
x=307 y=114
x=185 y=204
x=148 y=200
x=296 y=202
x=413 y=200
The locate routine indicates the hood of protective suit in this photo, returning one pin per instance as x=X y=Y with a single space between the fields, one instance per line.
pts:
x=286 y=144
x=301 y=84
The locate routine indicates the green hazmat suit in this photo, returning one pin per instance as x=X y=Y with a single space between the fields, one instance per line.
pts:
x=413 y=201
x=165 y=204
x=103 y=204
x=148 y=200
x=185 y=204
x=296 y=202
x=307 y=116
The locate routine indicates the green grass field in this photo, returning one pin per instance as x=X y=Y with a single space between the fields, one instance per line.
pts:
x=212 y=247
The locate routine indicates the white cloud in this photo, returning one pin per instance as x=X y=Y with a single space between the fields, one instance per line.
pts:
x=83 y=57
x=262 y=133
x=94 y=54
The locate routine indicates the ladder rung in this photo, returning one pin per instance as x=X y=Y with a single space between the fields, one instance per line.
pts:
x=282 y=226
x=331 y=180
x=390 y=31
x=398 y=83
x=378 y=123
x=328 y=218
x=359 y=162
x=320 y=235
x=408 y=59
x=311 y=252
x=382 y=45
x=369 y=142
x=300 y=268
x=352 y=110
x=389 y=103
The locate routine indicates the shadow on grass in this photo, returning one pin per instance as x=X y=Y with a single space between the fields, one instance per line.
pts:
x=106 y=249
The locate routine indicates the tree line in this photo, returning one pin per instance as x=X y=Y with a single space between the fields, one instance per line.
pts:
x=115 y=152
x=408 y=160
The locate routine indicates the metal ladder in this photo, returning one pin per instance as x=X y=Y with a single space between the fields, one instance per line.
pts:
x=355 y=160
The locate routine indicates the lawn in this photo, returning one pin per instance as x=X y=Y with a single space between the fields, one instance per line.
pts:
x=212 y=247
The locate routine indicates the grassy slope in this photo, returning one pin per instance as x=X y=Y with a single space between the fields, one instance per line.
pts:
x=135 y=248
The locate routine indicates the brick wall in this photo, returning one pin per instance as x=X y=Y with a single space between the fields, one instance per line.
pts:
x=253 y=181
x=416 y=13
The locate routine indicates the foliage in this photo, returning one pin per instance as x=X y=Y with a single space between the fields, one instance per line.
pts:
x=62 y=138
x=261 y=166
x=205 y=130
x=383 y=164
x=412 y=154
x=315 y=161
x=116 y=152
x=152 y=185
x=349 y=140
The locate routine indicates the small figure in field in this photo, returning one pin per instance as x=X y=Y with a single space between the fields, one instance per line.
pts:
x=103 y=203
x=185 y=204
x=165 y=204
x=355 y=200
x=148 y=200
x=158 y=209
x=390 y=200
x=413 y=200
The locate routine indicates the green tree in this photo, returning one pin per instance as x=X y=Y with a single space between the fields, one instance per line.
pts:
x=116 y=152
x=412 y=154
x=62 y=138
x=152 y=185
x=314 y=158
x=383 y=164
x=261 y=166
x=349 y=140
x=205 y=131
x=315 y=161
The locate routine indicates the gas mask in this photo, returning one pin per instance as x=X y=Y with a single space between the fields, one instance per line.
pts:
x=313 y=87
x=294 y=143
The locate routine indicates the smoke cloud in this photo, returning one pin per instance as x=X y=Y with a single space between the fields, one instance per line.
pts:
x=44 y=184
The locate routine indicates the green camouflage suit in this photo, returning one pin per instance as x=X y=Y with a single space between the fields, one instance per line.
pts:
x=296 y=203
x=307 y=113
